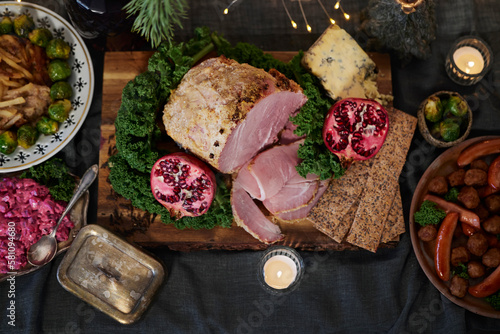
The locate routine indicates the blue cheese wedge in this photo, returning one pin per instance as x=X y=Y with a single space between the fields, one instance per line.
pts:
x=344 y=69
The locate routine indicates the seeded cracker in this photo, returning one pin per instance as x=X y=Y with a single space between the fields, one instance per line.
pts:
x=330 y=215
x=395 y=223
x=376 y=202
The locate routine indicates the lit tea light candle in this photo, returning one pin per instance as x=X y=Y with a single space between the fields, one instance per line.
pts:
x=279 y=272
x=469 y=60
x=280 y=269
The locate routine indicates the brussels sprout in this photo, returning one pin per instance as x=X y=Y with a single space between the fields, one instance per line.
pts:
x=8 y=142
x=6 y=25
x=27 y=135
x=457 y=106
x=40 y=37
x=59 y=70
x=57 y=49
x=435 y=130
x=449 y=130
x=23 y=25
x=433 y=109
x=59 y=110
x=47 y=126
x=61 y=90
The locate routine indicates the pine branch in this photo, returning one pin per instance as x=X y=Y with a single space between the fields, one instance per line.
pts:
x=157 y=19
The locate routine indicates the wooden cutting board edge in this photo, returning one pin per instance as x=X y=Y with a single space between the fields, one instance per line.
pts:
x=117 y=214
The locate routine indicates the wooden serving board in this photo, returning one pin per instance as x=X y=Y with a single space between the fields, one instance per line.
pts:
x=118 y=215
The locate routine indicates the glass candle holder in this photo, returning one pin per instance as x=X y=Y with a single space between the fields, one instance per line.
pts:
x=468 y=60
x=280 y=269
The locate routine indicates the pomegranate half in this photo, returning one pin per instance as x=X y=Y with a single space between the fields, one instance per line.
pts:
x=183 y=184
x=355 y=129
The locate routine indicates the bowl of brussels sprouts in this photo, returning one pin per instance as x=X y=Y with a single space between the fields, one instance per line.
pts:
x=444 y=119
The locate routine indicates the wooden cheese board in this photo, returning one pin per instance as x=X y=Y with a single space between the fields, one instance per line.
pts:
x=118 y=215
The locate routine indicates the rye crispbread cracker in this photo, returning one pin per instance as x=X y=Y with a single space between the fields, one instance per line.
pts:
x=395 y=223
x=368 y=225
x=329 y=214
x=364 y=206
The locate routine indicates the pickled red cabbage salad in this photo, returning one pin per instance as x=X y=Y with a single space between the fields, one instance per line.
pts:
x=27 y=211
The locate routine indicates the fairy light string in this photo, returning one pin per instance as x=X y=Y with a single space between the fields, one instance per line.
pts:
x=308 y=27
x=226 y=10
x=294 y=25
x=332 y=21
x=337 y=6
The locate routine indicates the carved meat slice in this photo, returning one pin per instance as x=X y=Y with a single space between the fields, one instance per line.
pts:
x=303 y=210
x=295 y=194
x=226 y=112
x=266 y=174
x=249 y=216
x=272 y=177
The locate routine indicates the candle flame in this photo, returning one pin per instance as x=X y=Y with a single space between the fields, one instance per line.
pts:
x=471 y=63
x=279 y=273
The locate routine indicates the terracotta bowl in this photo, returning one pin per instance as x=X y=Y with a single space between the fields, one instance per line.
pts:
x=424 y=130
x=443 y=165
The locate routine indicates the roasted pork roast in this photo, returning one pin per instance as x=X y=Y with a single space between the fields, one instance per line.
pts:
x=225 y=112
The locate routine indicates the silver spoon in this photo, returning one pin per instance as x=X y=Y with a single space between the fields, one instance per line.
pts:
x=45 y=248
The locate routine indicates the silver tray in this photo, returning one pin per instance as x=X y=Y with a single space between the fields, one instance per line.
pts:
x=110 y=274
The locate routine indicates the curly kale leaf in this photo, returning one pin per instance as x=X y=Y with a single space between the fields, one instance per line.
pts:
x=316 y=158
x=429 y=214
x=134 y=186
x=494 y=300
x=135 y=124
x=461 y=271
x=452 y=195
x=54 y=174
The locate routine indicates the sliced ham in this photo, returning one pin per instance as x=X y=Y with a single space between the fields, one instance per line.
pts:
x=272 y=177
x=287 y=136
x=266 y=174
x=249 y=216
x=296 y=193
x=302 y=211
x=226 y=112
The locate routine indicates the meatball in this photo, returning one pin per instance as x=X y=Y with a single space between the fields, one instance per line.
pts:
x=438 y=185
x=492 y=225
x=477 y=244
x=475 y=269
x=492 y=203
x=481 y=212
x=427 y=233
x=458 y=286
x=468 y=197
x=476 y=177
x=491 y=258
x=459 y=255
x=456 y=178
x=479 y=164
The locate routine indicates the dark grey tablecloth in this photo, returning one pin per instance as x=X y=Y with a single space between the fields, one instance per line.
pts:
x=343 y=292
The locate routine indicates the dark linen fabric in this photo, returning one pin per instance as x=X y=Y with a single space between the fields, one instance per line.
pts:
x=342 y=292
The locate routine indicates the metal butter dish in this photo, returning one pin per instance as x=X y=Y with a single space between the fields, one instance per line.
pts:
x=110 y=274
